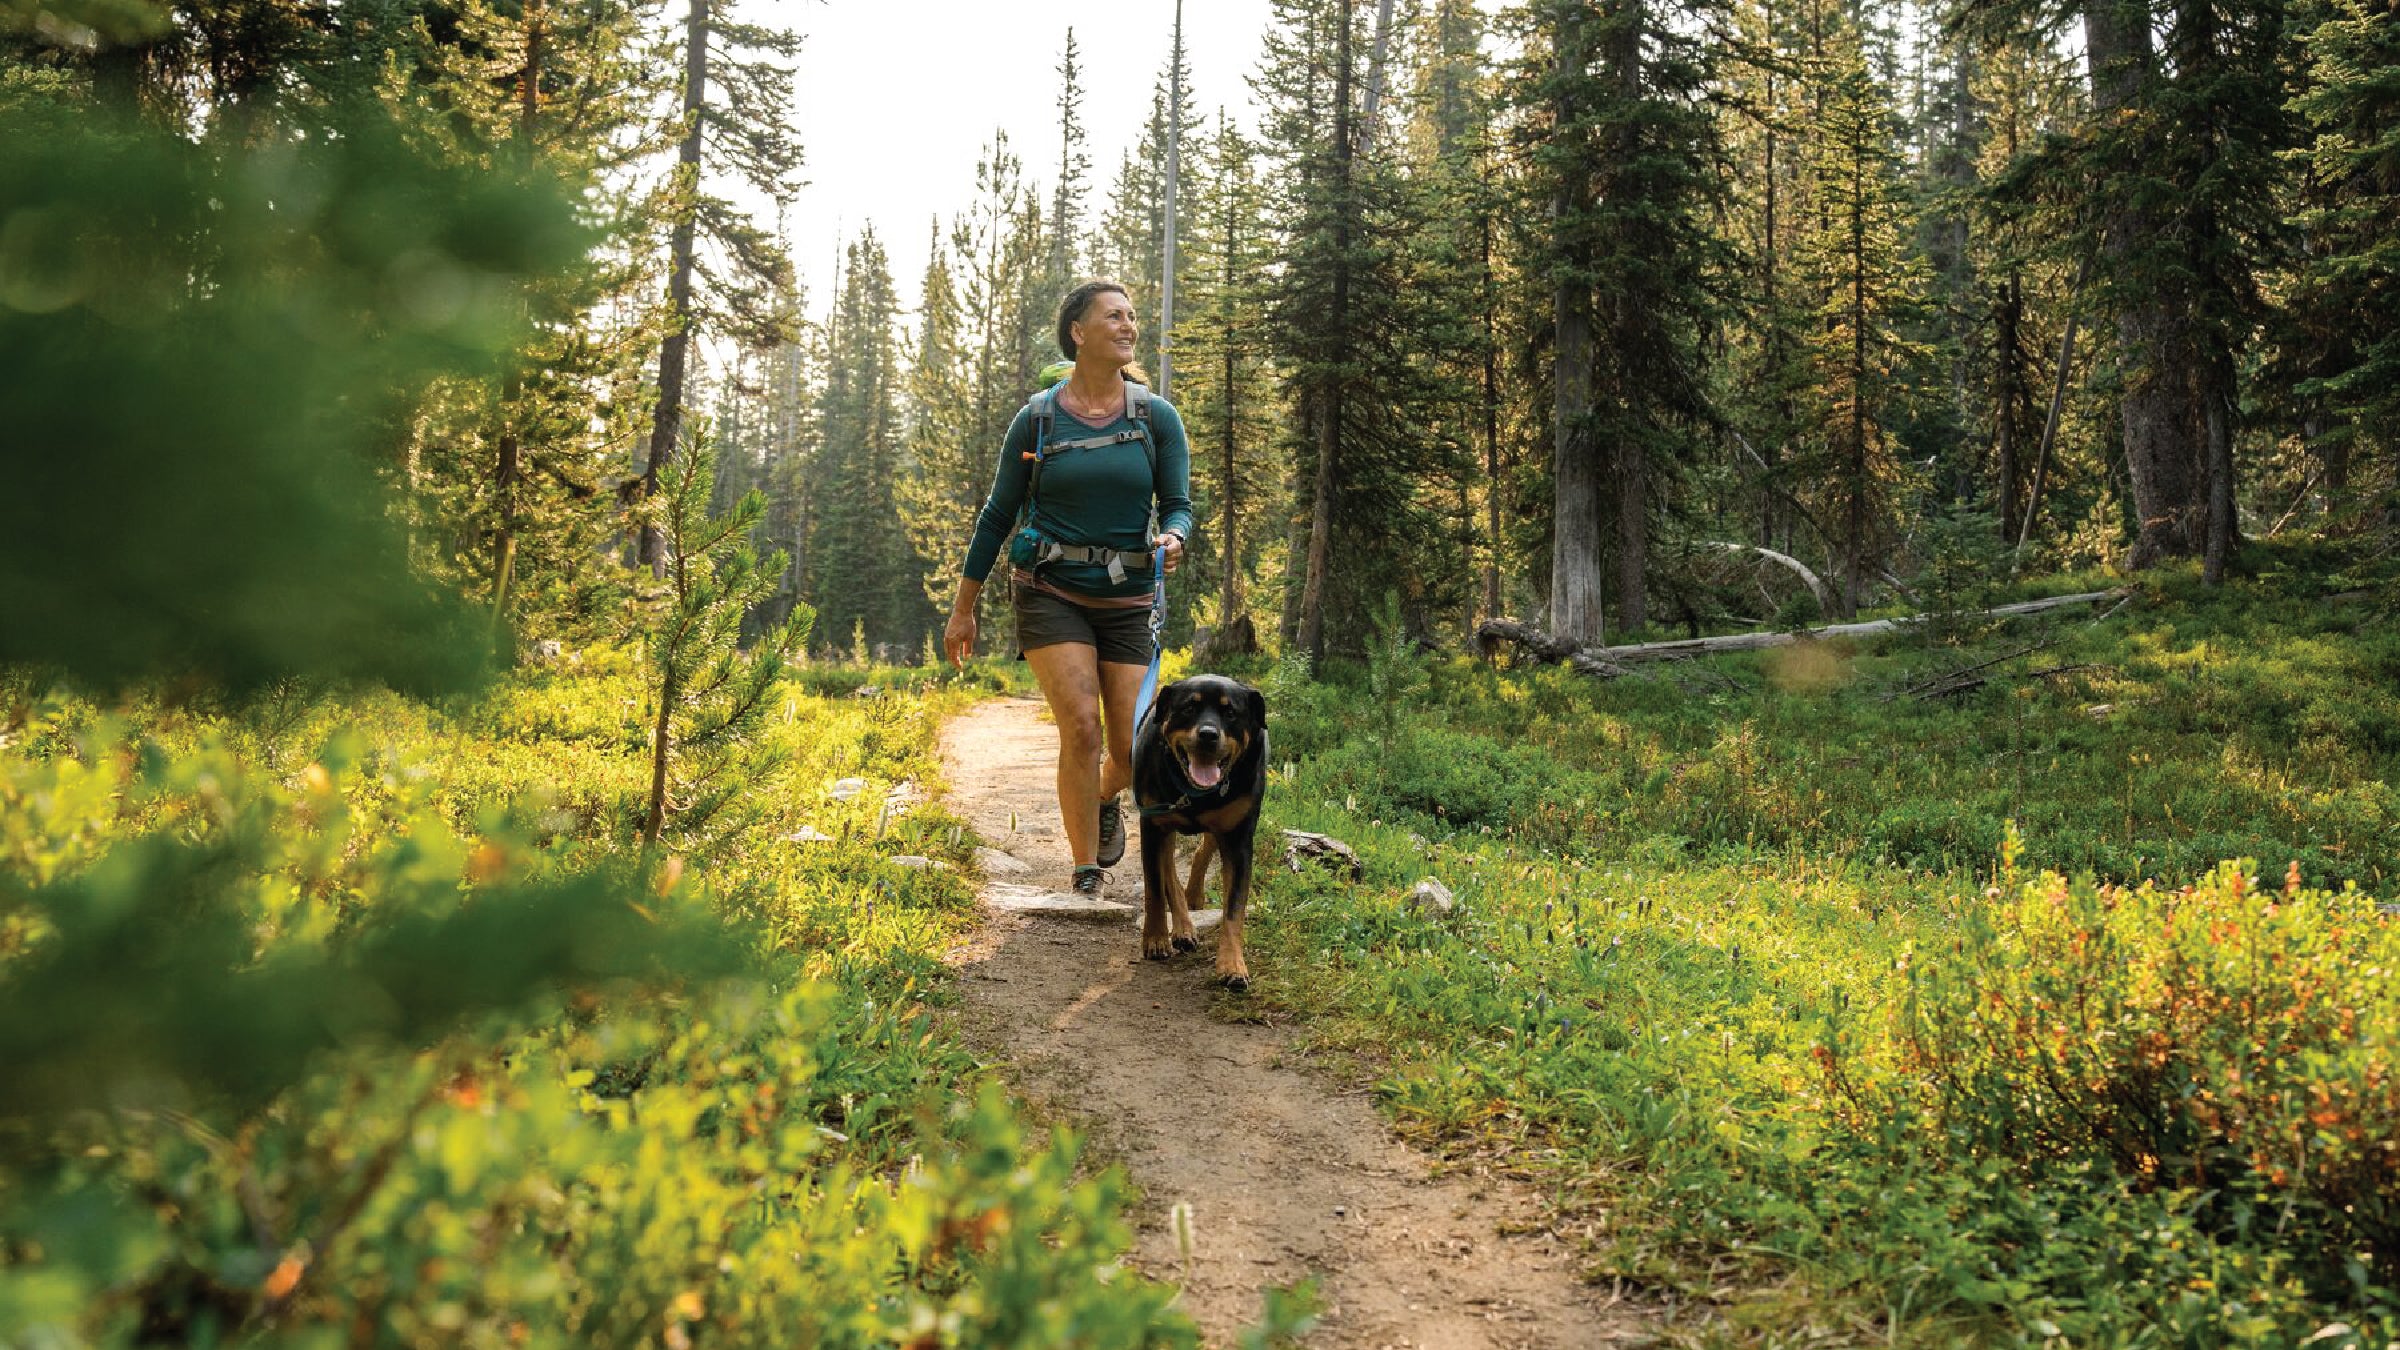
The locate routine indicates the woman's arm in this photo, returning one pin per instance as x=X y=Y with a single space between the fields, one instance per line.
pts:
x=1171 y=480
x=999 y=514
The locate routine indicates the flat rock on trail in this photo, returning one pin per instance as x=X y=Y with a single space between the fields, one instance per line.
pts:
x=1286 y=1173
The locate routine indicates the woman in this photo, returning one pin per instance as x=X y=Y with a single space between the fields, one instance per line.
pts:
x=1082 y=563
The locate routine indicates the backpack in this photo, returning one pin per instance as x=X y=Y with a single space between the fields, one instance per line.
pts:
x=1031 y=549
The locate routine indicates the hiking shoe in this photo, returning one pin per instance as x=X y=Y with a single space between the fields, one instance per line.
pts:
x=1112 y=833
x=1087 y=881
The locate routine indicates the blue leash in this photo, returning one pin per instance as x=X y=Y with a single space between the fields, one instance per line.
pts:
x=1158 y=627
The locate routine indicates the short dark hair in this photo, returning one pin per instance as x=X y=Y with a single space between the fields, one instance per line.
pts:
x=1071 y=309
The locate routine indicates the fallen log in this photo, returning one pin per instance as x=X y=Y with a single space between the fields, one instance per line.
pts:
x=1491 y=633
x=1606 y=662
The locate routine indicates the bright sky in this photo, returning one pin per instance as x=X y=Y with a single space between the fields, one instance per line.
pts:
x=895 y=98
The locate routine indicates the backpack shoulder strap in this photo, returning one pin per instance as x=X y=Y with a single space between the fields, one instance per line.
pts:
x=1042 y=408
x=1137 y=411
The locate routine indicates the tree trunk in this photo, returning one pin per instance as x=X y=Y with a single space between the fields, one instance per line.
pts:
x=2008 y=386
x=1491 y=431
x=2164 y=455
x=2058 y=399
x=1855 y=567
x=1374 y=95
x=1629 y=456
x=666 y=420
x=1329 y=429
x=1774 y=327
x=1575 y=612
x=2222 y=530
x=1166 y=282
x=1229 y=606
x=509 y=471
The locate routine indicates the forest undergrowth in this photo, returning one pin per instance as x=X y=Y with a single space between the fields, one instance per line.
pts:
x=1867 y=1017
x=737 y=1116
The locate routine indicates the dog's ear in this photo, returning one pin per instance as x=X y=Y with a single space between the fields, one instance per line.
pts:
x=1258 y=705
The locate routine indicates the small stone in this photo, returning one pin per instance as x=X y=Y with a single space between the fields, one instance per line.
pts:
x=867 y=691
x=2099 y=712
x=1432 y=896
x=998 y=864
x=808 y=834
x=1341 y=1211
x=845 y=789
x=917 y=861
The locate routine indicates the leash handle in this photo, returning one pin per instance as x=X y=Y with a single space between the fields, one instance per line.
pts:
x=1158 y=627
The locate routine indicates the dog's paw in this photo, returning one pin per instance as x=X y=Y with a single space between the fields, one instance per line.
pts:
x=1157 y=948
x=1186 y=944
x=1234 y=982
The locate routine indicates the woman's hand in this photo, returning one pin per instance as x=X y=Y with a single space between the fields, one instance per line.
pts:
x=958 y=636
x=1173 y=545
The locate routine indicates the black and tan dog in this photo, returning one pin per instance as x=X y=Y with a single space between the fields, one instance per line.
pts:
x=1199 y=767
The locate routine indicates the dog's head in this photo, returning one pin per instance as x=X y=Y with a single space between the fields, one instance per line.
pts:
x=1208 y=723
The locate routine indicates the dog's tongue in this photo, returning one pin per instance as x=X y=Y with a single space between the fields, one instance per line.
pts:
x=1206 y=775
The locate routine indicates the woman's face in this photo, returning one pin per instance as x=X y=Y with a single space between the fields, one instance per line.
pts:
x=1107 y=330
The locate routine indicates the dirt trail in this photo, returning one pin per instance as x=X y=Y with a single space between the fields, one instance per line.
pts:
x=1286 y=1173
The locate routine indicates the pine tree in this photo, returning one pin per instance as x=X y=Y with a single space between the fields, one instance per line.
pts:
x=1455 y=170
x=1226 y=395
x=1130 y=245
x=949 y=465
x=709 y=693
x=1074 y=169
x=2349 y=284
x=861 y=567
x=1764 y=373
x=744 y=120
x=2031 y=278
x=1868 y=290
x=1559 y=97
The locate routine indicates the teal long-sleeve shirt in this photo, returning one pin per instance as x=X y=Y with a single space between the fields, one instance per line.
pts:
x=1096 y=497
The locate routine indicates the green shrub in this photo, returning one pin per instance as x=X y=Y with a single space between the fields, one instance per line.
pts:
x=2214 y=1039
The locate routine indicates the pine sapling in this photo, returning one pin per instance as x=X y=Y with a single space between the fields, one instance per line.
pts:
x=710 y=692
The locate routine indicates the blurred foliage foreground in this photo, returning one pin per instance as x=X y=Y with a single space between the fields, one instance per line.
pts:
x=329 y=1014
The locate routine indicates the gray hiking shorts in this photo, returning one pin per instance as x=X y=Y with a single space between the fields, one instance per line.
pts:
x=1121 y=635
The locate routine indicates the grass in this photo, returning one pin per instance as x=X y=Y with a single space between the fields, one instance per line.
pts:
x=801 y=1154
x=1750 y=969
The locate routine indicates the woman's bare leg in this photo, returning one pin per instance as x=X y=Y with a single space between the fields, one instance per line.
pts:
x=1069 y=673
x=1120 y=685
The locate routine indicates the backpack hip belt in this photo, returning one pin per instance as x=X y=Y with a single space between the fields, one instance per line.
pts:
x=1118 y=561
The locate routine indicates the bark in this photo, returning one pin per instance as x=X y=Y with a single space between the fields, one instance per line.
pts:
x=509 y=471
x=2221 y=524
x=1374 y=96
x=2058 y=400
x=1774 y=344
x=1166 y=285
x=2008 y=380
x=1229 y=604
x=1631 y=458
x=1329 y=429
x=1491 y=431
x=2164 y=455
x=1575 y=489
x=666 y=420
